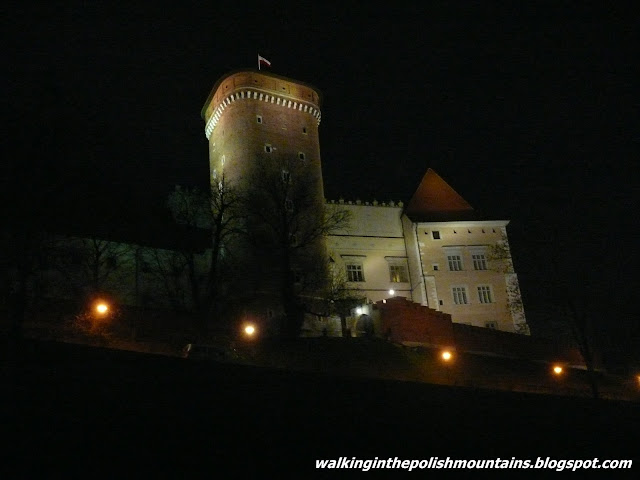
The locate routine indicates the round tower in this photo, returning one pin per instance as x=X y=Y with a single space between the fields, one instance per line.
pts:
x=264 y=145
x=251 y=117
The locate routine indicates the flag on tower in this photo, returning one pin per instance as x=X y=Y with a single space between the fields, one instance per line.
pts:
x=263 y=61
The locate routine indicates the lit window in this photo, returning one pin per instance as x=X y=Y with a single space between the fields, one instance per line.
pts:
x=479 y=261
x=455 y=262
x=355 y=272
x=268 y=148
x=222 y=160
x=436 y=235
x=484 y=294
x=459 y=295
x=398 y=273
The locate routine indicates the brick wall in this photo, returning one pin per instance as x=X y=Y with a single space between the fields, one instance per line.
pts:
x=409 y=323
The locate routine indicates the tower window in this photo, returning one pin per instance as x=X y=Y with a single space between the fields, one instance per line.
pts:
x=268 y=148
x=301 y=156
x=286 y=176
x=436 y=234
x=304 y=130
x=259 y=118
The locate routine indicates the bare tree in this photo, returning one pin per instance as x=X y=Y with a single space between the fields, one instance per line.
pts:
x=215 y=211
x=502 y=261
x=341 y=299
x=563 y=307
x=287 y=223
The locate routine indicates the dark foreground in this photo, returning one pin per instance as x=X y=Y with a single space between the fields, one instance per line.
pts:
x=86 y=412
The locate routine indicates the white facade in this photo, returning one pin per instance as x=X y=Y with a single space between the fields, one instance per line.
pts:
x=450 y=266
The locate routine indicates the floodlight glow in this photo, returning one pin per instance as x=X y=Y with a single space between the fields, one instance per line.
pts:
x=446 y=355
x=557 y=369
x=102 y=308
x=249 y=330
x=392 y=292
x=359 y=311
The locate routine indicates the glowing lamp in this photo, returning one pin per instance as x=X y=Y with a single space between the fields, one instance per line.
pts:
x=446 y=355
x=102 y=308
x=557 y=369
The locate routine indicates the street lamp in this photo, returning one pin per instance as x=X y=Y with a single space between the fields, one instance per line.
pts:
x=557 y=369
x=249 y=330
x=446 y=355
x=101 y=308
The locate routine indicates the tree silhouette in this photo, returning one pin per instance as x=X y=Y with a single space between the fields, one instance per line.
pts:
x=287 y=223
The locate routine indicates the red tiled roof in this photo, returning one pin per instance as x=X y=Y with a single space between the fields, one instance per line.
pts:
x=435 y=200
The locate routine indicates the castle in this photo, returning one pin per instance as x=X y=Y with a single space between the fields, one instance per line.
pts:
x=436 y=256
x=436 y=251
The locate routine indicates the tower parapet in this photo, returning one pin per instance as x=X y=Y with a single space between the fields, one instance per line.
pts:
x=269 y=88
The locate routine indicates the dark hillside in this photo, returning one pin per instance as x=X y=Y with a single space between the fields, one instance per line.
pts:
x=87 y=410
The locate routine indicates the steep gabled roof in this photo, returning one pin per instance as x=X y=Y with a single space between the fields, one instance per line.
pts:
x=435 y=200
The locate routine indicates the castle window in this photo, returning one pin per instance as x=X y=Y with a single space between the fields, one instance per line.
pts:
x=484 y=294
x=222 y=160
x=436 y=234
x=286 y=176
x=259 y=118
x=455 y=263
x=301 y=155
x=479 y=261
x=491 y=325
x=304 y=130
x=459 y=295
x=355 y=272
x=398 y=273
x=436 y=267
x=268 y=148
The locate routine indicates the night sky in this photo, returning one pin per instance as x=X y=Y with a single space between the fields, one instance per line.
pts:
x=529 y=112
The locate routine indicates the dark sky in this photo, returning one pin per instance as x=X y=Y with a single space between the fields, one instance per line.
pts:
x=530 y=112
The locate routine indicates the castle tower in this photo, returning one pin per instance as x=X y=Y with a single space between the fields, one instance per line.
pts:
x=263 y=141
x=252 y=116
